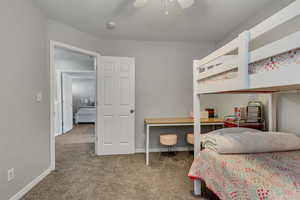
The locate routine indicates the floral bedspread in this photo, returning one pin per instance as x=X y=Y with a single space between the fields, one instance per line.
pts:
x=264 y=176
x=275 y=62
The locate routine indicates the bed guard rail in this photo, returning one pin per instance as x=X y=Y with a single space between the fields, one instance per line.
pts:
x=219 y=61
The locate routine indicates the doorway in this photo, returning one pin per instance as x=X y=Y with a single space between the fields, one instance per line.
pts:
x=75 y=102
x=73 y=96
x=114 y=101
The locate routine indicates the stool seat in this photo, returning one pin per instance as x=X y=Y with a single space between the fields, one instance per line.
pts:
x=190 y=138
x=168 y=139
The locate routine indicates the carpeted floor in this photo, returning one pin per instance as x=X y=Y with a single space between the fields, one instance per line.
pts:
x=81 y=133
x=81 y=175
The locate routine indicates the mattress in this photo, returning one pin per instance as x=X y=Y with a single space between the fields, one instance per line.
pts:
x=86 y=115
x=264 y=176
x=87 y=110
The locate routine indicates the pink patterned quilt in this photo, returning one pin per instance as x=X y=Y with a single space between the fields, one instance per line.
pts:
x=263 y=176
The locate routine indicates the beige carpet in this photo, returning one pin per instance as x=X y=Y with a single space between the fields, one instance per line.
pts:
x=81 y=175
x=81 y=133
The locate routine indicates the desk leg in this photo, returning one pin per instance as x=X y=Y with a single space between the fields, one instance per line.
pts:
x=147 y=145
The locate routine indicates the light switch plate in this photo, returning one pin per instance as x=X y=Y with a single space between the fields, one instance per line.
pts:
x=39 y=97
x=10 y=174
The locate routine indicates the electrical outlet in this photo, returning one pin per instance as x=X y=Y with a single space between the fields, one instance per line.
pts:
x=10 y=174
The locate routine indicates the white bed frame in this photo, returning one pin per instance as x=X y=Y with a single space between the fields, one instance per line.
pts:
x=287 y=78
x=86 y=115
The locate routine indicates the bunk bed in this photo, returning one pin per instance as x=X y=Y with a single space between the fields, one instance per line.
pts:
x=265 y=59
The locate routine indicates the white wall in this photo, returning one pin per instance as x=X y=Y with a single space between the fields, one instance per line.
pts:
x=163 y=73
x=70 y=60
x=227 y=102
x=82 y=89
x=24 y=123
x=163 y=81
x=75 y=65
x=288 y=113
x=254 y=20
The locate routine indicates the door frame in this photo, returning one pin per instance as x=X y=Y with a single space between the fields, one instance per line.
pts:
x=54 y=44
x=63 y=106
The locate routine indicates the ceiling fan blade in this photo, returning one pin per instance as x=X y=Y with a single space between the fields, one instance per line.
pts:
x=186 y=3
x=140 y=3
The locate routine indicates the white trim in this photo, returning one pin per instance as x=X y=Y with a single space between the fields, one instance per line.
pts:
x=33 y=183
x=70 y=47
x=52 y=105
x=54 y=44
x=163 y=149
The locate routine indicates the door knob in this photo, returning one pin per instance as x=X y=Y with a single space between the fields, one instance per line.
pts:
x=131 y=111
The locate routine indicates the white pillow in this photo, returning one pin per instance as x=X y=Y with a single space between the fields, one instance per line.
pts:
x=225 y=131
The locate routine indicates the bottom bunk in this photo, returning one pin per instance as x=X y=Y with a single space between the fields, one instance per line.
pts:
x=249 y=176
x=243 y=163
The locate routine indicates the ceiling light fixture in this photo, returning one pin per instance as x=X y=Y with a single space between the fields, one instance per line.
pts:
x=165 y=4
x=110 y=25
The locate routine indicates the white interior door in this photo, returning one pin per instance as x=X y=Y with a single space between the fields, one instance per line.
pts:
x=67 y=103
x=116 y=106
x=58 y=105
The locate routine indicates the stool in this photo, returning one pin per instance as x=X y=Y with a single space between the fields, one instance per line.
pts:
x=168 y=140
x=191 y=140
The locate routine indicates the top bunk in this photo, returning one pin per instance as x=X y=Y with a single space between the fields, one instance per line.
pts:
x=263 y=59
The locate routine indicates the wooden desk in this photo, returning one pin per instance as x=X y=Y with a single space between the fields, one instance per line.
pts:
x=172 y=122
x=181 y=121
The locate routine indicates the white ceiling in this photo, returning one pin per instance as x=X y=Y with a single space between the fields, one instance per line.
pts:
x=206 y=20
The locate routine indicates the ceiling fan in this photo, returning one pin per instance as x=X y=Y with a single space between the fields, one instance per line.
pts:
x=183 y=3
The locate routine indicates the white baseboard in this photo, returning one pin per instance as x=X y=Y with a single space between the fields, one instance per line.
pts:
x=33 y=183
x=155 y=150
